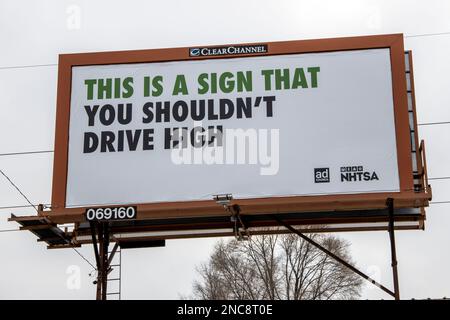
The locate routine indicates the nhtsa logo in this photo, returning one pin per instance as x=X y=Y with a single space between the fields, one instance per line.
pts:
x=228 y=50
x=357 y=173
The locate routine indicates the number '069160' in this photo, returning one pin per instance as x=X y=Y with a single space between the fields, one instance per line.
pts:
x=116 y=213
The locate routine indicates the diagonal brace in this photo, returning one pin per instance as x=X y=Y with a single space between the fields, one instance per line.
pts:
x=332 y=255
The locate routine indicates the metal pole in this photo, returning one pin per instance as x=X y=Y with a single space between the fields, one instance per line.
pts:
x=331 y=254
x=101 y=256
x=94 y=243
x=390 y=204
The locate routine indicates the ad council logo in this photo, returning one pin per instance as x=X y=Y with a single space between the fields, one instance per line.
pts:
x=321 y=175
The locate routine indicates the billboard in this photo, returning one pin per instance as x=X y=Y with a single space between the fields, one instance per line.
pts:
x=285 y=126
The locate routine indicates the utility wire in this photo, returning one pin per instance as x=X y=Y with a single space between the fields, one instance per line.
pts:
x=48 y=204
x=25 y=152
x=432 y=202
x=11 y=230
x=439 y=202
x=32 y=205
x=28 y=66
x=428 y=34
x=17 y=188
x=433 y=123
x=52 y=151
x=84 y=258
x=18 y=206
x=55 y=64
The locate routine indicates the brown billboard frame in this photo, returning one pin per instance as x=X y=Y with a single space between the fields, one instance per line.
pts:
x=406 y=197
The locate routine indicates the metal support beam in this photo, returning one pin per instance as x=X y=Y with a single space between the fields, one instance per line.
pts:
x=332 y=255
x=100 y=272
x=390 y=204
x=94 y=243
x=101 y=256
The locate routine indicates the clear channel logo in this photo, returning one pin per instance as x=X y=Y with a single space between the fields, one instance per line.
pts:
x=194 y=52
x=227 y=50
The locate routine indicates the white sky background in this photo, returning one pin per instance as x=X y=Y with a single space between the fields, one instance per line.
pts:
x=35 y=32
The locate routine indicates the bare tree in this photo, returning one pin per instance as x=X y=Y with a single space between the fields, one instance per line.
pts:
x=280 y=266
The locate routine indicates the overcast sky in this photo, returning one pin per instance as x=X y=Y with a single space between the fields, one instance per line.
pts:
x=35 y=32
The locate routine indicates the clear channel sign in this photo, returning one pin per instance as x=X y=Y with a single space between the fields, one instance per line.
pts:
x=282 y=127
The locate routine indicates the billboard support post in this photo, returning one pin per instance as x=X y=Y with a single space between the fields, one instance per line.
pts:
x=390 y=203
x=101 y=257
x=97 y=260
x=94 y=242
x=335 y=257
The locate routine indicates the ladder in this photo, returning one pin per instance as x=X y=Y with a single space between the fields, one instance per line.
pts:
x=114 y=276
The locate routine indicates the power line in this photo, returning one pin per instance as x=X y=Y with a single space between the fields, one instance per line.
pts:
x=21 y=206
x=10 y=230
x=28 y=206
x=52 y=151
x=17 y=188
x=440 y=202
x=439 y=178
x=79 y=253
x=55 y=64
x=84 y=258
x=428 y=34
x=48 y=204
x=48 y=151
x=25 y=152
x=23 y=195
x=433 y=123
x=18 y=206
x=28 y=66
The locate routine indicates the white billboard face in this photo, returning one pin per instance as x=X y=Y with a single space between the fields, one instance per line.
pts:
x=288 y=125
